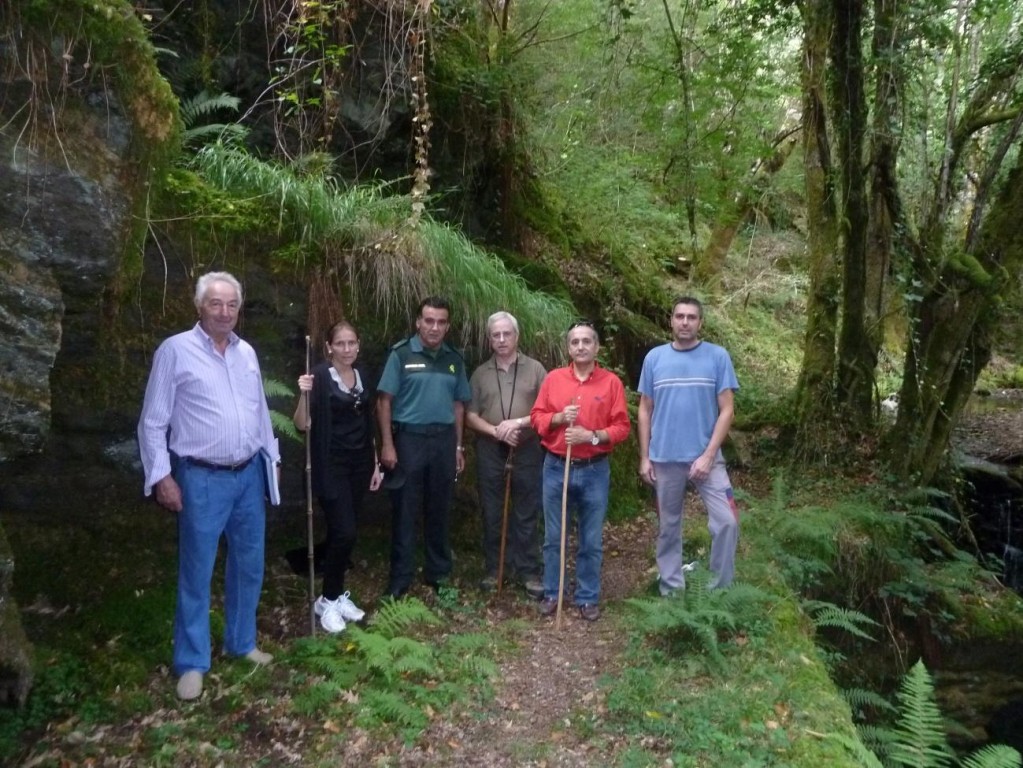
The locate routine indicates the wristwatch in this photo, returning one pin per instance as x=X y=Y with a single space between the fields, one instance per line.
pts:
x=595 y=440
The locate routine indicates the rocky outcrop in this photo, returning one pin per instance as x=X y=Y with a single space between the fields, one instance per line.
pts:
x=63 y=222
x=83 y=111
x=73 y=145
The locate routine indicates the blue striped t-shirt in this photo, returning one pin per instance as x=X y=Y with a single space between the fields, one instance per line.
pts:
x=684 y=386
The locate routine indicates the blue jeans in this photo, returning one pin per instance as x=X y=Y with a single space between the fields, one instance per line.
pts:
x=587 y=495
x=218 y=502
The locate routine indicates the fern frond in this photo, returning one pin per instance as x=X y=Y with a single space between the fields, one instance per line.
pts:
x=859 y=750
x=480 y=667
x=920 y=735
x=283 y=425
x=318 y=697
x=394 y=617
x=993 y=756
x=826 y=614
x=205 y=103
x=878 y=738
x=228 y=133
x=390 y=707
x=277 y=388
x=467 y=644
x=859 y=698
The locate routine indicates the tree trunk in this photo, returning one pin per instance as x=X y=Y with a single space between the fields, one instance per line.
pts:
x=815 y=389
x=950 y=337
x=884 y=196
x=856 y=355
x=711 y=264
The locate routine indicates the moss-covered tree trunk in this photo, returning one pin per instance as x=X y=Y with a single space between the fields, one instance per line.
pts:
x=856 y=355
x=814 y=391
x=889 y=82
x=950 y=335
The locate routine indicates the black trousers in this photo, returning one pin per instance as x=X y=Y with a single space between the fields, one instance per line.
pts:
x=522 y=548
x=351 y=480
x=429 y=464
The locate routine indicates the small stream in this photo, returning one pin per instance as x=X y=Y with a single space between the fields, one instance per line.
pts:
x=978 y=687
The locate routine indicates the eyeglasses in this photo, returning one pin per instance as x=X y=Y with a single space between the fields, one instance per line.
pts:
x=581 y=324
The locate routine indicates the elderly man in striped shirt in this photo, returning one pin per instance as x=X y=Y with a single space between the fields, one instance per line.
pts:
x=204 y=424
x=686 y=406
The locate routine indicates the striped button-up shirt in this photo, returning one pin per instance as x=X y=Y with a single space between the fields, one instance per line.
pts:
x=203 y=405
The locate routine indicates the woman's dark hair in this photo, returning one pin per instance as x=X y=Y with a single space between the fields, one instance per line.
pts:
x=340 y=325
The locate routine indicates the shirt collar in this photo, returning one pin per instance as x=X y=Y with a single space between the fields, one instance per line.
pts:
x=232 y=338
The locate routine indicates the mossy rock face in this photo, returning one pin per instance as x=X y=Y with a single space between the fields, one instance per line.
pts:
x=15 y=652
x=83 y=130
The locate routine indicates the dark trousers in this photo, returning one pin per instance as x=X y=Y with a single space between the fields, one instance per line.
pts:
x=429 y=464
x=341 y=512
x=522 y=549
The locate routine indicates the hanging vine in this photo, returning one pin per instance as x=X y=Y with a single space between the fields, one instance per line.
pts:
x=421 y=119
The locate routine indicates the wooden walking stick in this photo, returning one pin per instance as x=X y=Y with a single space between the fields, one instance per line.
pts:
x=504 y=517
x=310 y=552
x=564 y=526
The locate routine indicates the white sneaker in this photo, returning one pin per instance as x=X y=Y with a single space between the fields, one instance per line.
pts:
x=349 y=610
x=330 y=615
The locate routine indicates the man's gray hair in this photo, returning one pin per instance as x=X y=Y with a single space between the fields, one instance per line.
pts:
x=204 y=283
x=502 y=315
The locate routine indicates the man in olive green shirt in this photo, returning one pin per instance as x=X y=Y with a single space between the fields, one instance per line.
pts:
x=503 y=391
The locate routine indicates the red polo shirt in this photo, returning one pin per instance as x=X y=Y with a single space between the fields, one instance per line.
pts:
x=601 y=401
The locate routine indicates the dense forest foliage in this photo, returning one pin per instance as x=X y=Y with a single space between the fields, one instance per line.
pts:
x=840 y=181
x=597 y=150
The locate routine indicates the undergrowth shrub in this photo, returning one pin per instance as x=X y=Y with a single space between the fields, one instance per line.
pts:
x=918 y=739
x=396 y=674
x=696 y=620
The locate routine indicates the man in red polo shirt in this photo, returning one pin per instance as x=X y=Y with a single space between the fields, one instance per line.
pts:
x=581 y=405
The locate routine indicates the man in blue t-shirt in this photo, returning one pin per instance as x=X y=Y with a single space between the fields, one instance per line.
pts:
x=685 y=410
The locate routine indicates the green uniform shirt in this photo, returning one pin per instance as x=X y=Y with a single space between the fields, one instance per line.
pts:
x=424 y=383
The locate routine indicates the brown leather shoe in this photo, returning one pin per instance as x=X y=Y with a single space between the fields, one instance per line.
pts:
x=589 y=612
x=548 y=606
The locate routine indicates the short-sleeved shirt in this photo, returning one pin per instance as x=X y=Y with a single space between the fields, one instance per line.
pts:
x=684 y=386
x=424 y=383
x=498 y=395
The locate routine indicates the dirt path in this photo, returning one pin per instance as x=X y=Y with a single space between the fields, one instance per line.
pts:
x=552 y=682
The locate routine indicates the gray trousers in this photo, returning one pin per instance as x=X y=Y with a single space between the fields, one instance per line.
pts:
x=522 y=549
x=722 y=520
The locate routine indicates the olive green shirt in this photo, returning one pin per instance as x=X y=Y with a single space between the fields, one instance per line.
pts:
x=499 y=395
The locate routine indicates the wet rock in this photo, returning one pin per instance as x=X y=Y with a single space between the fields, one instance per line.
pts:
x=1006 y=725
x=15 y=652
x=64 y=220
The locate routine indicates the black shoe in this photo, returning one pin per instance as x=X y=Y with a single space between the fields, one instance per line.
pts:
x=533 y=587
x=437 y=584
x=590 y=612
x=395 y=592
x=488 y=584
x=548 y=606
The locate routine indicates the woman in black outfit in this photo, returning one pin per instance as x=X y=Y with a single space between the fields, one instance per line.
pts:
x=344 y=462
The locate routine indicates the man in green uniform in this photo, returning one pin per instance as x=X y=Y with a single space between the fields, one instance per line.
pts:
x=421 y=403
